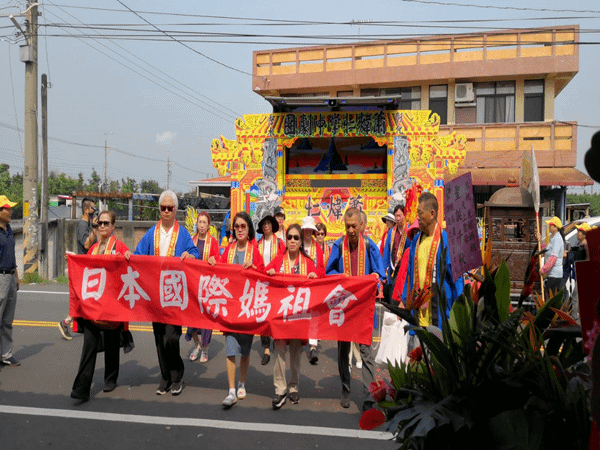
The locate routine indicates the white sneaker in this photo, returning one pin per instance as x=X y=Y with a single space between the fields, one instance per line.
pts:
x=241 y=392
x=359 y=364
x=230 y=400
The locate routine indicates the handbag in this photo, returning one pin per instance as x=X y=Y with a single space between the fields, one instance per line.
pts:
x=394 y=340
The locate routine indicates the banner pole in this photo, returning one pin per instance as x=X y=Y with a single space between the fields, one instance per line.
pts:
x=537 y=224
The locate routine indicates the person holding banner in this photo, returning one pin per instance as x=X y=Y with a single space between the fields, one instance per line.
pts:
x=269 y=246
x=100 y=332
x=293 y=261
x=242 y=251
x=354 y=256
x=168 y=239
x=208 y=248
x=427 y=249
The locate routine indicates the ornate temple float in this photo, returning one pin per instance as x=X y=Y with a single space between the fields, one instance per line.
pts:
x=319 y=163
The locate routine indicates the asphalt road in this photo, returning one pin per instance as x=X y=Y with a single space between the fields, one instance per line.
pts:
x=36 y=410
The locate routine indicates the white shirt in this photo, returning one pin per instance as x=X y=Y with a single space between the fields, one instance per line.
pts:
x=165 y=239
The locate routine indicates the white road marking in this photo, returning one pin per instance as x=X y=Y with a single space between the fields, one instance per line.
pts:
x=206 y=423
x=42 y=292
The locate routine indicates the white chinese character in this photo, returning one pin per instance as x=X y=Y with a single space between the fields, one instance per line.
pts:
x=337 y=300
x=299 y=308
x=339 y=297
x=94 y=282
x=173 y=289
x=336 y=316
x=261 y=308
x=131 y=286
x=213 y=286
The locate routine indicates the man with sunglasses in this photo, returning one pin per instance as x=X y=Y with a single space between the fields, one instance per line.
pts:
x=86 y=237
x=9 y=282
x=168 y=239
x=354 y=255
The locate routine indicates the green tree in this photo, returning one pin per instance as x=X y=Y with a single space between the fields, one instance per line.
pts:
x=128 y=185
x=12 y=187
x=61 y=184
x=592 y=199
x=93 y=182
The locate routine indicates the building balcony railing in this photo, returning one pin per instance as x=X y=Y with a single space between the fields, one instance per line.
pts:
x=559 y=41
x=502 y=144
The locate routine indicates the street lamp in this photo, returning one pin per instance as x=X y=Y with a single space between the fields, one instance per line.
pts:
x=106 y=150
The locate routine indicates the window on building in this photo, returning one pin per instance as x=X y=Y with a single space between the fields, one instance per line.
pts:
x=369 y=92
x=534 y=100
x=438 y=101
x=495 y=102
x=410 y=98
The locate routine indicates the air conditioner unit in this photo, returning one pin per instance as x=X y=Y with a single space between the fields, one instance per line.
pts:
x=464 y=93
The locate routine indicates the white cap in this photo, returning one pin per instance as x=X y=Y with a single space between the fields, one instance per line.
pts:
x=309 y=223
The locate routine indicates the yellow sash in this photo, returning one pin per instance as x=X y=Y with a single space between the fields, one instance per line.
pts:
x=207 y=245
x=249 y=253
x=313 y=250
x=110 y=245
x=431 y=260
x=174 y=234
x=362 y=252
x=274 y=246
x=287 y=264
x=400 y=246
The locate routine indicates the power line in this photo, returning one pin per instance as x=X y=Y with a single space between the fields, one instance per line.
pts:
x=215 y=103
x=513 y=8
x=185 y=45
x=138 y=73
x=124 y=152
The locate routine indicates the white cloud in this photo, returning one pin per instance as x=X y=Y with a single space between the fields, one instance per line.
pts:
x=166 y=137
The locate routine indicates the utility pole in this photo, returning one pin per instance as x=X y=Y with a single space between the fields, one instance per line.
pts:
x=30 y=175
x=168 y=170
x=44 y=265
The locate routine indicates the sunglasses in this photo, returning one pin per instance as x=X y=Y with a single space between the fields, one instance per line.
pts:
x=240 y=226
x=293 y=237
x=320 y=233
x=164 y=208
x=104 y=223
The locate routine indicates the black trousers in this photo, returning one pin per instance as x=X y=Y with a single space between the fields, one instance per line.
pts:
x=91 y=337
x=265 y=341
x=552 y=285
x=344 y=366
x=166 y=338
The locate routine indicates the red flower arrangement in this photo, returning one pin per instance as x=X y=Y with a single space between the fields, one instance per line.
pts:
x=371 y=419
x=378 y=390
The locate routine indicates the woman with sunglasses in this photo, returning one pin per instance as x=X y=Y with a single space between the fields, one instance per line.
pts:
x=208 y=247
x=293 y=261
x=95 y=332
x=242 y=251
x=269 y=246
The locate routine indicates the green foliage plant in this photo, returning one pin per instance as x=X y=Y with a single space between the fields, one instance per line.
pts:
x=492 y=381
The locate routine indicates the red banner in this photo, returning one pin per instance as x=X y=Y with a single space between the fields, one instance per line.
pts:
x=224 y=297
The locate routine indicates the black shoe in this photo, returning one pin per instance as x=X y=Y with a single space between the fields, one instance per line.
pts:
x=294 y=398
x=11 y=362
x=79 y=396
x=177 y=388
x=163 y=387
x=345 y=401
x=109 y=387
x=312 y=357
x=279 y=401
x=265 y=359
x=63 y=326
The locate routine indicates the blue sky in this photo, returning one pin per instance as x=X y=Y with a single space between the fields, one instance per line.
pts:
x=96 y=97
